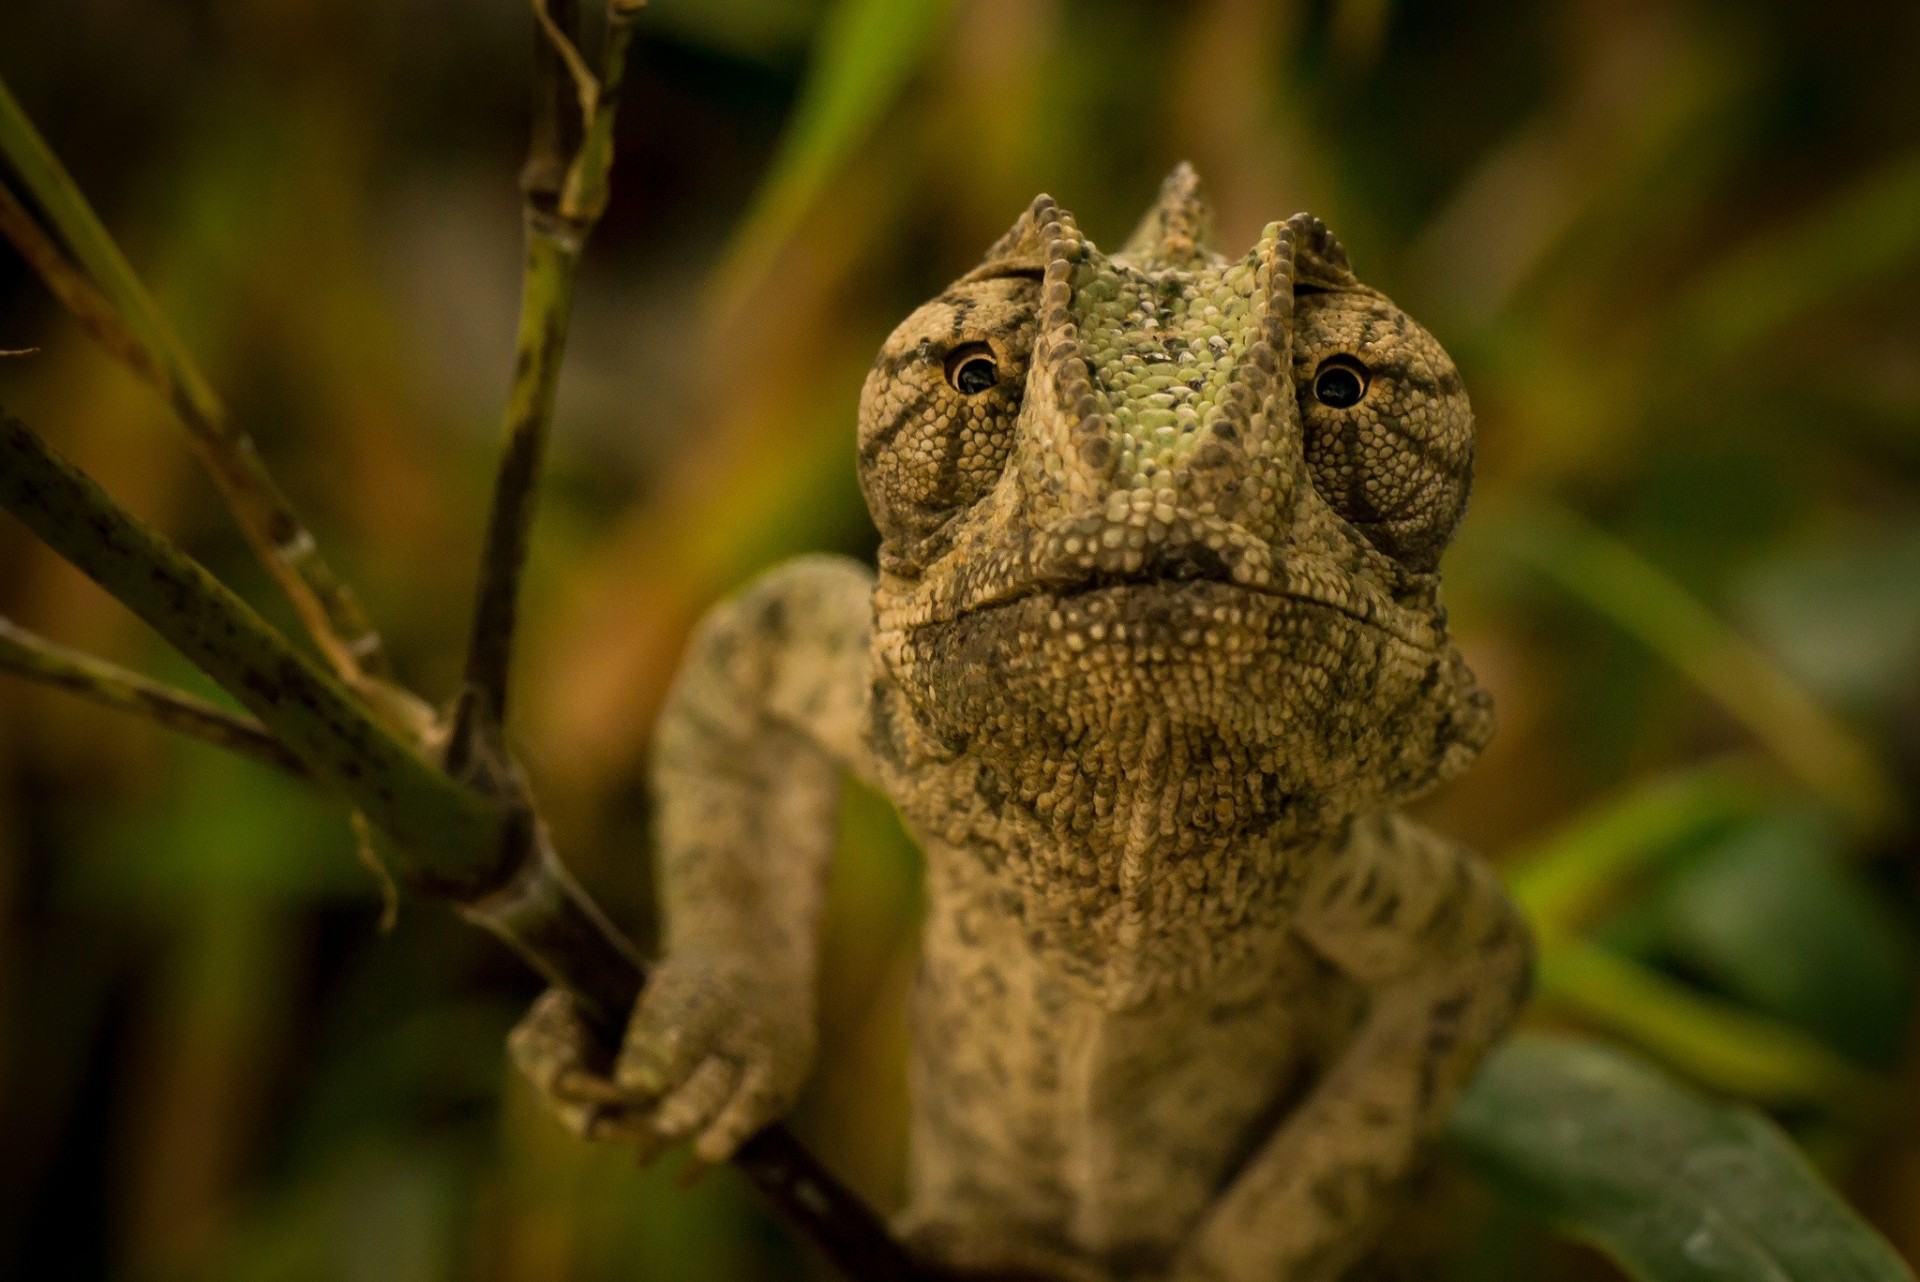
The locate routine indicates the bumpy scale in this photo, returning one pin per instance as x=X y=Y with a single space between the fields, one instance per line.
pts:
x=1154 y=650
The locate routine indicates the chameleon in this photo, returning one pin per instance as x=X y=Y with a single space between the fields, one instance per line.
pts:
x=1153 y=654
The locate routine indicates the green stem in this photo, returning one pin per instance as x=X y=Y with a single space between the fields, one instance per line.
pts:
x=553 y=258
x=1719 y=1044
x=35 y=658
x=453 y=840
x=564 y=198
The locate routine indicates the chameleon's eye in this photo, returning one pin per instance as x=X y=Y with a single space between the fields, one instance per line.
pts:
x=970 y=369
x=1340 y=382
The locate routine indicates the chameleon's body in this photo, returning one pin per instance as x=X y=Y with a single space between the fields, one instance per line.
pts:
x=1154 y=648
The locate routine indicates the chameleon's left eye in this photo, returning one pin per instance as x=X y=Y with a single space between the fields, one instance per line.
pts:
x=971 y=369
x=1340 y=382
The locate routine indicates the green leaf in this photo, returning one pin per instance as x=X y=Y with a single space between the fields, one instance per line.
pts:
x=865 y=52
x=1674 y=1186
x=1617 y=582
x=1774 y=915
x=1713 y=1041
x=1564 y=881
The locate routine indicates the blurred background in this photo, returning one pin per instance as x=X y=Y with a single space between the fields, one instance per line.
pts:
x=1674 y=246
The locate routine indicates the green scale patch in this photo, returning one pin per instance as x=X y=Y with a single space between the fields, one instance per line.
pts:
x=1162 y=346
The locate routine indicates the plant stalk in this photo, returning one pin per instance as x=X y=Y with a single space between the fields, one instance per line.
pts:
x=32 y=656
x=453 y=839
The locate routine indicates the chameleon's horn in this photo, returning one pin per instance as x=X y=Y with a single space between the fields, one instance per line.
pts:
x=1179 y=227
x=1023 y=249
x=1256 y=410
x=1319 y=257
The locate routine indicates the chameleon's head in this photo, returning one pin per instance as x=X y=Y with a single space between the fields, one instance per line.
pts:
x=1165 y=496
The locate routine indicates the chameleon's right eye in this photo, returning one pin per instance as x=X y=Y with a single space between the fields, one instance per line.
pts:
x=971 y=369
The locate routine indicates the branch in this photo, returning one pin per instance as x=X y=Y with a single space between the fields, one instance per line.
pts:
x=493 y=860
x=563 y=197
x=564 y=193
x=107 y=297
x=32 y=656
x=455 y=840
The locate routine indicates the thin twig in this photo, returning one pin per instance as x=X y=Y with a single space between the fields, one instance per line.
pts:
x=144 y=340
x=558 y=222
x=563 y=36
x=556 y=117
x=30 y=655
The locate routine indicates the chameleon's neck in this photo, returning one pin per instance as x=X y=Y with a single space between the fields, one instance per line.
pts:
x=1155 y=873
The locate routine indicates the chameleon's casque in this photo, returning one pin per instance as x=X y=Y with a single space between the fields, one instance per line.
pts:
x=1154 y=648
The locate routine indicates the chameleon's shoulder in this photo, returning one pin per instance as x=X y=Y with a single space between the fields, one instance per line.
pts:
x=788 y=648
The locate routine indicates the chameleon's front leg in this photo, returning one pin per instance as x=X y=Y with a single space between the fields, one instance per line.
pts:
x=1425 y=926
x=763 y=721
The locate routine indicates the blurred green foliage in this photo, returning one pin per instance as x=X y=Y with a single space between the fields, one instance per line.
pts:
x=1674 y=245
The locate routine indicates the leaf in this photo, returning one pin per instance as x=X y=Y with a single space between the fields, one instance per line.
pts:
x=1617 y=582
x=1562 y=882
x=864 y=54
x=1674 y=1186
x=1715 y=1042
x=1772 y=913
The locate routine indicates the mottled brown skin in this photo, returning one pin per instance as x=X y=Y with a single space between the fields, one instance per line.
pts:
x=1154 y=650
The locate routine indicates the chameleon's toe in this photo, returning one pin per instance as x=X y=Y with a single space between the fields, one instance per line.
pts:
x=695 y=1101
x=548 y=1046
x=757 y=1102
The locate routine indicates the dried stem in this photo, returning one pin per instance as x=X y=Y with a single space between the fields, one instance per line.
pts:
x=102 y=289
x=29 y=655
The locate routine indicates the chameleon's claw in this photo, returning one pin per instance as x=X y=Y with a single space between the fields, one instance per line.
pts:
x=579 y=1086
x=550 y=1044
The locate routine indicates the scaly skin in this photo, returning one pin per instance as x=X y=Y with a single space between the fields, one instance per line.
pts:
x=1154 y=650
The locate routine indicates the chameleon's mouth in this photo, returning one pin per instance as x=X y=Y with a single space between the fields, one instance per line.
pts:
x=1090 y=554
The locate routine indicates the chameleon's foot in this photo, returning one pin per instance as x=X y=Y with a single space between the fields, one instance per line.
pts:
x=555 y=1051
x=709 y=1056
